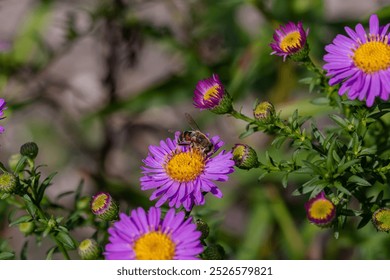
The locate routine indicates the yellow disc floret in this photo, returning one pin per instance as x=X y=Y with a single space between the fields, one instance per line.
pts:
x=185 y=166
x=321 y=209
x=154 y=245
x=372 y=56
x=291 y=40
x=211 y=92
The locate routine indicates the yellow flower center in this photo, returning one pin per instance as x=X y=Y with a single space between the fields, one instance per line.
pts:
x=99 y=202
x=239 y=152
x=185 y=166
x=372 y=56
x=85 y=244
x=211 y=92
x=321 y=209
x=291 y=40
x=154 y=245
x=383 y=220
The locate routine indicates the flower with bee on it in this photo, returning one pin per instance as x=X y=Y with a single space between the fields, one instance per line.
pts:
x=182 y=174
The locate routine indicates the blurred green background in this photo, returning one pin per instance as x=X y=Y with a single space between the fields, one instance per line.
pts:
x=94 y=83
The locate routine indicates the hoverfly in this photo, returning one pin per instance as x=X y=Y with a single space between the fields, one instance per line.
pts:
x=195 y=138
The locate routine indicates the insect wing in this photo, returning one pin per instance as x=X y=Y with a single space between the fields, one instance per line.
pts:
x=191 y=122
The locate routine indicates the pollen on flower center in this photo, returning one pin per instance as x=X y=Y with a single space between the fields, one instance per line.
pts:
x=154 y=245
x=291 y=40
x=99 y=202
x=211 y=92
x=185 y=166
x=321 y=209
x=372 y=56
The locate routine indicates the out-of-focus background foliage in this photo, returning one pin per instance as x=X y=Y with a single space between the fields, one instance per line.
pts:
x=95 y=82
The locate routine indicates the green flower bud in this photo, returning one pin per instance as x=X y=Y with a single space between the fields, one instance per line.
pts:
x=264 y=111
x=29 y=149
x=89 y=249
x=214 y=252
x=8 y=183
x=104 y=207
x=26 y=228
x=381 y=219
x=245 y=157
x=203 y=227
x=83 y=203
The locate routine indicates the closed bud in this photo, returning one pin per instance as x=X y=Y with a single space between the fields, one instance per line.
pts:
x=381 y=219
x=104 y=206
x=203 y=227
x=26 y=228
x=29 y=149
x=264 y=111
x=89 y=249
x=8 y=183
x=245 y=157
x=214 y=252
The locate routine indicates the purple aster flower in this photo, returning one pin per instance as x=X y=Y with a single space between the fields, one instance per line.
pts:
x=289 y=39
x=2 y=108
x=360 y=62
x=182 y=175
x=320 y=210
x=210 y=94
x=146 y=236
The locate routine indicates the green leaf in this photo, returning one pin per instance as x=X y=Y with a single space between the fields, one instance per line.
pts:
x=262 y=174
x=23 y=252
x=22 y=219
x=2 y=167
x=66 y=240
x=7 y=256
x=247 y=133
x=320 y=101
x=359 y=181
x=345 y=166
x=341 y=188
x=20 y=165
x=364 y=221
x=340 y=121
x=285 y=180
x=42 y=188
x=31 y=208
x=278 y=141
x=49 y=254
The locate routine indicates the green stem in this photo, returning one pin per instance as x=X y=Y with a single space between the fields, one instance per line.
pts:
x=240 y=116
